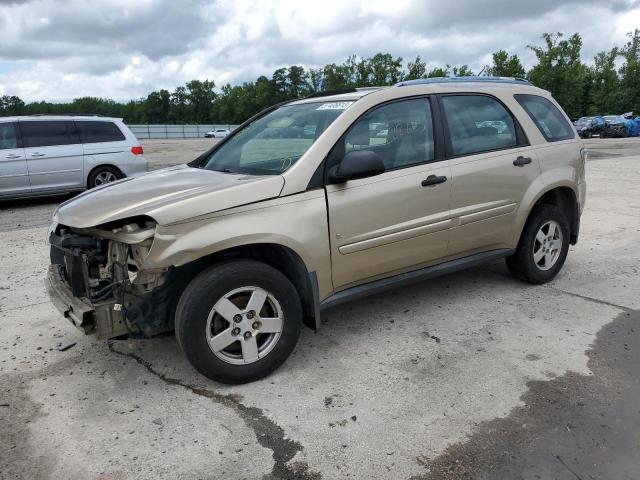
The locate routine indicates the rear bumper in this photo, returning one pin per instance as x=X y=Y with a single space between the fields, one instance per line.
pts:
x=100 y=319
x=138 y=167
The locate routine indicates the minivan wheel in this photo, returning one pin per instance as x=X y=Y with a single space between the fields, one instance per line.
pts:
x=238 y=321
x=102 y=175
x=543 y=246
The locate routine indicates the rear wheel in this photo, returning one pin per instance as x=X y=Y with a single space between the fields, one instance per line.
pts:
x=543 y=246
x=238 y=321
x=102 y=175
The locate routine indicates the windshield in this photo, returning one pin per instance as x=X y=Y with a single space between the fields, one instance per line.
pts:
x=584 y=121
x=274 y=142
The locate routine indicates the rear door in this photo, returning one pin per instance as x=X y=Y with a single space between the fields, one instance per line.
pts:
x=395 y=221
x=54 y=155
x=14 y=176
x=492 y=166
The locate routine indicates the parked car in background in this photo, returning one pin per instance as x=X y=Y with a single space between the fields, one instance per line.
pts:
x=41 y=155
x=587 y=127
x=616 y=127
x=632 y=123
x=253 y=239
x=217 y=133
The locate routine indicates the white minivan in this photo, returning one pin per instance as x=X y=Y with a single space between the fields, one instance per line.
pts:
x=41 y=155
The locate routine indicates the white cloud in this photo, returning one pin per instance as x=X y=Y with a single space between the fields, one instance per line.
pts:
x=58 y=50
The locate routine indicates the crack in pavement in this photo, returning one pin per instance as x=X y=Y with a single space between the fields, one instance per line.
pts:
x=590 y=299
x=559 y=290
x=268 y=434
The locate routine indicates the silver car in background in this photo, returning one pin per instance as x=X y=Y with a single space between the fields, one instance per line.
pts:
x=217 y=133
x=41 y=155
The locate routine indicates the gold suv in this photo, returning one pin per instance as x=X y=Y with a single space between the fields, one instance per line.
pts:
x=316 y=202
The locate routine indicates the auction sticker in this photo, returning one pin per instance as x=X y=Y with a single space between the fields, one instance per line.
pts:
x=334 y=106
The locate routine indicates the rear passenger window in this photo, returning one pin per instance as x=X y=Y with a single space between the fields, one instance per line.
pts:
x=400 y=132
x=99 y=132
x=478 y=123
x=8 y=137
x=44 y=134
x=547 y=117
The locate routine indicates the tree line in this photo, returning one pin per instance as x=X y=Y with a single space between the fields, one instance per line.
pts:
x=581 y=89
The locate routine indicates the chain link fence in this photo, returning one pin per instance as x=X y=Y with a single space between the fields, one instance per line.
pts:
x=144 y=132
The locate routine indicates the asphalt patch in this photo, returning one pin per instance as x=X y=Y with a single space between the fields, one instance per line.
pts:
x=572 y=427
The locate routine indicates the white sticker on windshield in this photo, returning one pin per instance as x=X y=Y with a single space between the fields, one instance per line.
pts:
x=334 y=106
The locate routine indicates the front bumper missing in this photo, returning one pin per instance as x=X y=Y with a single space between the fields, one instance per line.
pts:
x=98 y=319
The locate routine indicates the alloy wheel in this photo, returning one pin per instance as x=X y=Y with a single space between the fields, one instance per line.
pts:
x=547 y=245
x=244 y=325
x=105 y=177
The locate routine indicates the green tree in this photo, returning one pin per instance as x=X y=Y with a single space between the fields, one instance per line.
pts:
x=11 y=105
x=384 y=70
x=438 y=72
x=506 y=66
x=462 y=71
x=630 y=73
x=605 y=84
x=560 y=71
x=416 y=69
x=179 y=111
x=157 y=107
x=201 y=95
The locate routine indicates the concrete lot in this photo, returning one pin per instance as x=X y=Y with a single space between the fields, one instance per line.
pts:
x=473 y=375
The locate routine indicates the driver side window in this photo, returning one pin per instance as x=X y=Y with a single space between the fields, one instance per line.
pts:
x=401 y=133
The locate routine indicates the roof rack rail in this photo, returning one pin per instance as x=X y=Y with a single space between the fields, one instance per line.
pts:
x=331 y=92
x=476 y=79
x=65 y=115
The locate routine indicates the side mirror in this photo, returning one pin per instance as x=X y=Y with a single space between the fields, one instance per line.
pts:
x=357 y=164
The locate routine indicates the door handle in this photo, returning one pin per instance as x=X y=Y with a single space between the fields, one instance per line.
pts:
x=38 y=154
x=433 y=180
x=522 y=161
x=13 y=155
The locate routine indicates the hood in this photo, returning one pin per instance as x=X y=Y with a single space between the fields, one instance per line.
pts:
x=168 y=195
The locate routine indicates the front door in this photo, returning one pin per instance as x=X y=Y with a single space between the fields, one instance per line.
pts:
x=55 y=156
x=398 y=220
x=492 y=166
x=14 y=176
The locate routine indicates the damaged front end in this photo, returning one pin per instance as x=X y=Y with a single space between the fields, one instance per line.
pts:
x=99 y=281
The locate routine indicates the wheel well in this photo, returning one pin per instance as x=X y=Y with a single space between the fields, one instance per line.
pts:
x=565 y=199
x=277 y=256
x=100 y=166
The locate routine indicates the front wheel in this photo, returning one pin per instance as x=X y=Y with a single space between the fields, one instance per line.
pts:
x=543 y=246
x=238 y=321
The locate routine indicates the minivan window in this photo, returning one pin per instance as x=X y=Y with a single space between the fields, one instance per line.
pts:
x=99 y=132
x=401 y=133
x=8 y=137
x=44 y=133
x=549 y=120
x=478 y=123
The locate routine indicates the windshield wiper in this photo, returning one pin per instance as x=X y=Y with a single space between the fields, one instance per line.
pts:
x=223 y=170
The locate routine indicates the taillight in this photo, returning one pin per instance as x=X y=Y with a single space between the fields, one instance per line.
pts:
x=136 y=150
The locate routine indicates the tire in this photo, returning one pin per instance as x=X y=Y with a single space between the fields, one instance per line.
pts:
x=104 y=174
x=522 y=264
x=208 y=311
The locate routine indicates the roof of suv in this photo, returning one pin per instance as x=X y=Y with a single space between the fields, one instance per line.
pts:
x=434 y=85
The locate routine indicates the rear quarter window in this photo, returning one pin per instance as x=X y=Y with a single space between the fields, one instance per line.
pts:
x=549 y=120
x=99 y=132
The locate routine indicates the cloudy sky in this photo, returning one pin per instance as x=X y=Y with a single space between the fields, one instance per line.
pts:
x=122 y=49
